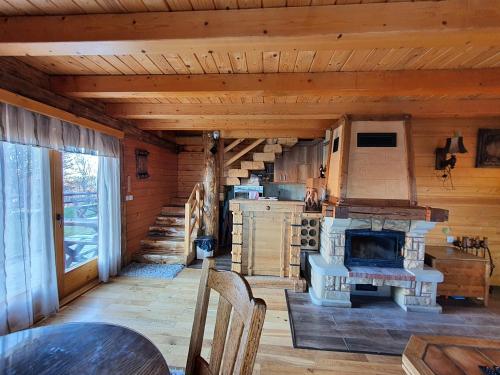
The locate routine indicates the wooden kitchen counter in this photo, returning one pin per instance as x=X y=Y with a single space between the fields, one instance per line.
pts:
x=266 y=241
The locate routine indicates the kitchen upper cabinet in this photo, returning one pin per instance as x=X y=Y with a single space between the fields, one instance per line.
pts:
x=299 y=163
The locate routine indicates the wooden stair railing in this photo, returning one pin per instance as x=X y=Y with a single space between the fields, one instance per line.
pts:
x=193 y=218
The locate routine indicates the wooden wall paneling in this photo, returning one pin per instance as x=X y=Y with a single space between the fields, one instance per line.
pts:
x=151 y=194
x=189 y=164
x=474 y=200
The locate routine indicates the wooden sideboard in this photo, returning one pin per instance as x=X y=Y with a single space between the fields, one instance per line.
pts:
x=266 y=238
x=465 y=275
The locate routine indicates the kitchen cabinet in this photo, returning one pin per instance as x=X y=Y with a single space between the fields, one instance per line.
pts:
x=299 y=163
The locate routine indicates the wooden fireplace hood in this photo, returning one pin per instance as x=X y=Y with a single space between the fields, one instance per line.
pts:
x=370 y=172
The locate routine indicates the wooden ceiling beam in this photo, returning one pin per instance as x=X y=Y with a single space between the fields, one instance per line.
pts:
x=233 y=124
x=274 y=133
x=365 y=26
x=416 y=108
x=367 y=84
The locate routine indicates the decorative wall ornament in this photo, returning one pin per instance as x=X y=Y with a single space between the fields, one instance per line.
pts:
x=454 y=145
x=141 y=163
x=488 y=148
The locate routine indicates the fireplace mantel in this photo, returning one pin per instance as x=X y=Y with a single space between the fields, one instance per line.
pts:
x=382 y=209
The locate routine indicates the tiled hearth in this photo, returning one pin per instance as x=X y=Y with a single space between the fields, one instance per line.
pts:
x=413 y=287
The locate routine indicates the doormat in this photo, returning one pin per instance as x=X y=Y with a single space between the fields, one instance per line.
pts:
x=152 y=271
x=379 y=326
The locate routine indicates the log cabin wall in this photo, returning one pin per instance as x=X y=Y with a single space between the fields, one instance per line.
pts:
x=474 y=202
x=150 y=194
x=189 y=164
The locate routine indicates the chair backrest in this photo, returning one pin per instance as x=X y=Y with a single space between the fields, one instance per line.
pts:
x=237 y=313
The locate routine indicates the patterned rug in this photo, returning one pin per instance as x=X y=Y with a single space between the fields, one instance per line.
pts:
x=152 y=271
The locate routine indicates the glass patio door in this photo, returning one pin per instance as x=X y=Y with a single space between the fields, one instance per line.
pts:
x=75 y=219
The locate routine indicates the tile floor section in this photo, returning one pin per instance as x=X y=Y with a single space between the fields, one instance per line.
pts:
x=379 y=326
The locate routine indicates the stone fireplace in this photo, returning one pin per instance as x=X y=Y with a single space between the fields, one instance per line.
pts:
x=373 y=231
x=413 y=285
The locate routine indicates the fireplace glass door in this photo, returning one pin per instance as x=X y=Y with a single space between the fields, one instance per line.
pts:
x=374 y=248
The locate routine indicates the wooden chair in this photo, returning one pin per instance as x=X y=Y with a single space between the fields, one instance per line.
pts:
x=236 y=354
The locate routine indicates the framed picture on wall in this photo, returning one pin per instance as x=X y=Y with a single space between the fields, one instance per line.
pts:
x=488 y=148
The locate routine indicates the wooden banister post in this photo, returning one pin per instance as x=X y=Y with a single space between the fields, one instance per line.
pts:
x=210 y=186
x=187 y=231
x=199 y=205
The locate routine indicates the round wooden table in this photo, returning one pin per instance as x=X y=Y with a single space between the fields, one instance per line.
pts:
x=80 y=348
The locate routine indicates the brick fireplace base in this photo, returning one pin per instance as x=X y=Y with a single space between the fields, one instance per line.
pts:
x=413 y=288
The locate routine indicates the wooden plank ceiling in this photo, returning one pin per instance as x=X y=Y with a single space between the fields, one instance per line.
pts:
x=56 y=7
x=452 y=39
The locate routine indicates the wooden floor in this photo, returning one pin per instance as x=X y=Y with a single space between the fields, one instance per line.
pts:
x=163 y=311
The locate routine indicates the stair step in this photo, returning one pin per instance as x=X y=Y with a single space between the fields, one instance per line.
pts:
x=232 y=181
x=172 y=210
x=238 y=173
x=177 y=201
x=170 y=220
x=166 y=243
x=158 y=258
x=166 y=231
x=159 y=250
x=253 y=165
x=277 y=149
x=264 y=156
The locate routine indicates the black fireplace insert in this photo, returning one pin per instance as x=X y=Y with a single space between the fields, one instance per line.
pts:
x=374 y=248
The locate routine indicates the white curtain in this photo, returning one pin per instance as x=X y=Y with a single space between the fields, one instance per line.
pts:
x=28 y=281
x=19 y=125
x=108 y=190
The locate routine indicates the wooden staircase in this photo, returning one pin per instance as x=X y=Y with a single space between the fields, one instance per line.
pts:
x=267 y=154
x=165 y=241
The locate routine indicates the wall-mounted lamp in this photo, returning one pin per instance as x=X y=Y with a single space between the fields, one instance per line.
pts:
x=454 y=145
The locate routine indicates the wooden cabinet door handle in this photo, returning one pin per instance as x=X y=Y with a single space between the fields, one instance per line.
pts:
x=268 y=208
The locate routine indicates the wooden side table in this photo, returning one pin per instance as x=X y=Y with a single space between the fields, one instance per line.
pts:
x=465 y=274
x=449 y=355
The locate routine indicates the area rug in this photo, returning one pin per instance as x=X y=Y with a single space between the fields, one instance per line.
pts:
x=176 y=371
x=380 y=326
x=152 y=271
